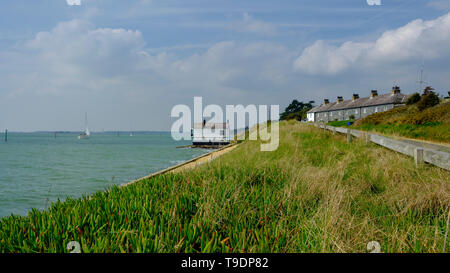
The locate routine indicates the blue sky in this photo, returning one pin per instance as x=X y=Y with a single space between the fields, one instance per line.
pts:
x=127 y=63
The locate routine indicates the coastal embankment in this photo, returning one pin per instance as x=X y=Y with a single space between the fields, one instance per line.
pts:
x=190 y=164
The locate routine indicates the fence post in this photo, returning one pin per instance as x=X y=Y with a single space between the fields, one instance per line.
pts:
x=367 y=138
x=349 y=135
x=418 y=156
x=334 y=130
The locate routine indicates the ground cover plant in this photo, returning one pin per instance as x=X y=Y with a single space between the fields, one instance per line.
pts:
x=316 y=193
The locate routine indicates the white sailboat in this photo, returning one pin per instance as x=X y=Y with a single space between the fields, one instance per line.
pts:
x=86 y=133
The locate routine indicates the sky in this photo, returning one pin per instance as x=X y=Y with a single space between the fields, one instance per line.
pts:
x=127 y=63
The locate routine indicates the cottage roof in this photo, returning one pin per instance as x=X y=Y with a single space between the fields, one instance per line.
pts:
x=361 y=102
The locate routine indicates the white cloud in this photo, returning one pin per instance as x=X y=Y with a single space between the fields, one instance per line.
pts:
x=250 y=24
x=322 y=58
x=115 y=76
x=418 y=39
x=76 y=67
x=73 y=2
x=77 y=46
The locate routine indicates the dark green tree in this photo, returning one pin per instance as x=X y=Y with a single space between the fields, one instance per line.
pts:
x=414 y=98
x=296 y=110
x=428 y=90
x=429 y=99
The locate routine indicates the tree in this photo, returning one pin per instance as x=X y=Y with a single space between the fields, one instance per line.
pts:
x=296 y=110
x=414 y=98
x=428 y=90
x=429 y=99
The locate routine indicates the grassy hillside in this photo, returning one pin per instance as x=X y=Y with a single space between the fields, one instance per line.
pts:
x=316 y=193
x=430 y=124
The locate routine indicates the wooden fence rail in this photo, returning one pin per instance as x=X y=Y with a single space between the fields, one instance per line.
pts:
x=421 y=151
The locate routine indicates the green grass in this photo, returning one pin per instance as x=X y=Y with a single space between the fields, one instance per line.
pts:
x=431 y=124
x=316 y=193
x=434 y=131
x=339 y=123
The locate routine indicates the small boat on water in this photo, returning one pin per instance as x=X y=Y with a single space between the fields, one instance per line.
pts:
x=86 y=133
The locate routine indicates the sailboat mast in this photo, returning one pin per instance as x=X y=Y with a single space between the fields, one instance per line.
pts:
x=86 y=125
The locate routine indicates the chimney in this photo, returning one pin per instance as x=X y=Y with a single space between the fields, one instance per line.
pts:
x=373 y=93
x=395 y=90
x=355 y=97
x=326 y=101
x=340 y=99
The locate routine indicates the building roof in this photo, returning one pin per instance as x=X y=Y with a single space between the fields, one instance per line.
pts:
x=390 y=98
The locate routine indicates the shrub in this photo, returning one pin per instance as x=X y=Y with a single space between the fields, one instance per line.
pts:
x=427 y=101
x=352 y=117
x=295 y=116
x=414 y=98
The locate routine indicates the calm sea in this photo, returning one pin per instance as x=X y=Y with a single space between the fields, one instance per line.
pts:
x=36 y=168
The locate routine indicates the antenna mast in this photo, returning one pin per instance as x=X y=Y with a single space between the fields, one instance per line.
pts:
x=421 y=80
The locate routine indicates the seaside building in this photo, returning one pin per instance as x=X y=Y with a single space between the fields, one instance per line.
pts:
x=210 y=134
x=356 y=107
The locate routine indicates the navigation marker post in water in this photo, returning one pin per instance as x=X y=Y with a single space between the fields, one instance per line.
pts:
x=6 y=135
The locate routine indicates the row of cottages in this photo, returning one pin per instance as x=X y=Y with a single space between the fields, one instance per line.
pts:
x=358 y=107
x=210 y=134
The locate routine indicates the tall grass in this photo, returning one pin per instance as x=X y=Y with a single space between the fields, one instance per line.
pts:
x=432 y=131
x=430 y=124
x=316 y=193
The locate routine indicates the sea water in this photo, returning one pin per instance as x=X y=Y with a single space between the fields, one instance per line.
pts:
x=37 y=168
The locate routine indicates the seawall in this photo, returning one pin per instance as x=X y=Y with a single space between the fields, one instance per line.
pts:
x=190 y=164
